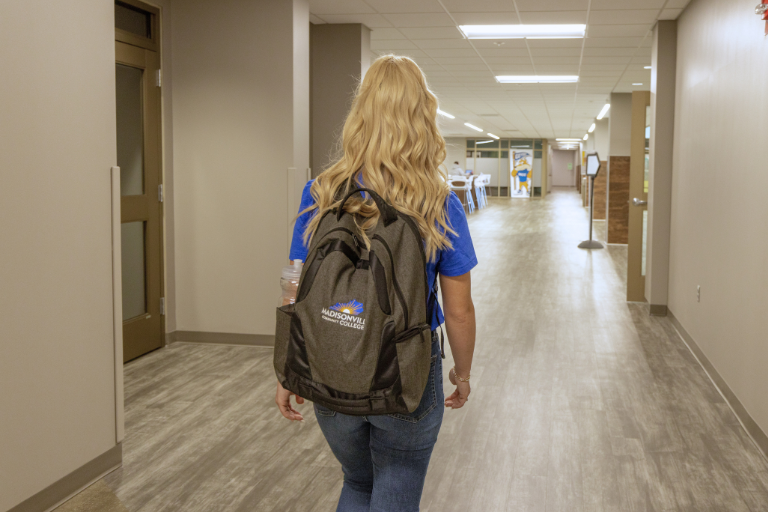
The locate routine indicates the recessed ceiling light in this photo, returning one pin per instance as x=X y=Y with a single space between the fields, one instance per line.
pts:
x=446 y=114
x=604 y=111
x=492 y=135
x=647 y=67
x=586 y=136
x=531 y=79
x=637 y=83
x=483 y=141
x=567 y=140
x=560 y=31
x=474 y=127
x=591 y=128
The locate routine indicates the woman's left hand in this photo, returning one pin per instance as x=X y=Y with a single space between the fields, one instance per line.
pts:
x=283 y=401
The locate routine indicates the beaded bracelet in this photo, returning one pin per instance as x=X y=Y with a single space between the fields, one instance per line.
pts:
x=457 y=375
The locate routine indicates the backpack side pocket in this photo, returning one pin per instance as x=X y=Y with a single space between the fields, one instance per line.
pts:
x=282 y=337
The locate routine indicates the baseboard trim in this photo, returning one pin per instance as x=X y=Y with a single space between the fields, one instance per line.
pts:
x=221 y=338
x=75 y=482
x=659 y=310
x=747 y=422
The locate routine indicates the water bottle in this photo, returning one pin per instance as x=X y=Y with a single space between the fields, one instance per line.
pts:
x=289 y=283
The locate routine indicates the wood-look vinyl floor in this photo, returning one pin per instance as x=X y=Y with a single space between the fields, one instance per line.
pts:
x=580 y=402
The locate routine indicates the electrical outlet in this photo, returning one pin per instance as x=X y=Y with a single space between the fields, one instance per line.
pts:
x=698 y=293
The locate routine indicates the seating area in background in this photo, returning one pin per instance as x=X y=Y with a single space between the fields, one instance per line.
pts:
x=471 y=190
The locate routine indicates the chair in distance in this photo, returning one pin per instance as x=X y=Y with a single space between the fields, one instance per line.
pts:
x=463 y=185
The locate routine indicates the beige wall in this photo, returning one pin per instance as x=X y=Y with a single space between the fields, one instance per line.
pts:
x=234 y=115
x=340 y=56
x=719 y=212
x=561 y=175
x=57 y=143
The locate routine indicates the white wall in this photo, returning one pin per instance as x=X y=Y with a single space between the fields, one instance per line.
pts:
x=719 y=213
x=235 y=97
x=561 y=175
x=57 y=143
x=455 y=150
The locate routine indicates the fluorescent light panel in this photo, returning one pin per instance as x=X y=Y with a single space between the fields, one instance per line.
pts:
x=637 y=83
x=474 y=127
x=567 y=140
x=647 y=67
x=537 y=79
x=483 y=141
x=592 y=128
x=603 y=111
x=586 y=136
x=492 y=135
x=560 y=31
x=446 y=114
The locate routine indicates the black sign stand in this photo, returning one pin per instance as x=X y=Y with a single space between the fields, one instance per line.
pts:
x=591 y=244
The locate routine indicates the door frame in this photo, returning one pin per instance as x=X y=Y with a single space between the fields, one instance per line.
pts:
x=635 y=278
x=144 y=53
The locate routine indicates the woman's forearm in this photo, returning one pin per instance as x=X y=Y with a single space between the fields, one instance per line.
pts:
x=461 y=337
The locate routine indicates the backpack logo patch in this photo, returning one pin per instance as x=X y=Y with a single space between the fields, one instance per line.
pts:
x=351 y=308
x=345 y=314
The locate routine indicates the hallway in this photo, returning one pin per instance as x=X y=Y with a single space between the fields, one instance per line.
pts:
x=580 y=402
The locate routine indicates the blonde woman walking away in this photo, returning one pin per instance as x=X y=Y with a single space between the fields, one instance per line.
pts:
x=392 y=146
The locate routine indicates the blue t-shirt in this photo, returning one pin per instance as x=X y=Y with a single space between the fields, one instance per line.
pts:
x=451 y=262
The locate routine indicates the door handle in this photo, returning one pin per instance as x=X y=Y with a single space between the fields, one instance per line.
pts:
x=638 y=202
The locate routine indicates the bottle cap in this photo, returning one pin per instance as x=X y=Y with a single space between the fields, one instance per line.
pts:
x=292 y=272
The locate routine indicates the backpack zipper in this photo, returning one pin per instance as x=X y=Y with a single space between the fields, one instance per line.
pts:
x=398 y=291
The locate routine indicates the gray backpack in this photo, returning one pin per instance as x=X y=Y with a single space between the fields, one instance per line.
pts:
x=358 y=340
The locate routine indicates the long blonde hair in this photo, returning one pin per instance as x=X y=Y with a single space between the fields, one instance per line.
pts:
x=391 y=139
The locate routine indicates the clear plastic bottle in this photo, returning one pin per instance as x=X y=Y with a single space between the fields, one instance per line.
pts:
x=289 y=283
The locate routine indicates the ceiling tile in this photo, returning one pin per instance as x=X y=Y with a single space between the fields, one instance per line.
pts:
x=605 y=60
x=339 y=7
x=503 y=52
x=556 y=52
x=554 y=17
x=426 y=44
x=455 y=6
x=420 y=20
x=386 y=33
x=599 y=5
x=451 y=52
x=392 y=44
x=618 y=30
x=600 y=51
x=613 y=42
x=552 y=5
x=506 y=43
x=405 y=6
x=369 y=20
x=555 y=43
x=623 y=17
x=677 y=4
x=486 y=18
x=670 y=14
x=432 y=33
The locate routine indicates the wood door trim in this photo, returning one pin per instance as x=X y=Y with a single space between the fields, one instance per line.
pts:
x=130 y=55
x=635 y=279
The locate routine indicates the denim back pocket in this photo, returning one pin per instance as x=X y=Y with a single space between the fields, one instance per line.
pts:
x=428 y=399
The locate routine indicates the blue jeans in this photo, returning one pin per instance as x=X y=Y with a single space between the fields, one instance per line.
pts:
x=385 y=458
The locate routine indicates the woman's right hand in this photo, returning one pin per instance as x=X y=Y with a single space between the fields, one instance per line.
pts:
x=461 y=395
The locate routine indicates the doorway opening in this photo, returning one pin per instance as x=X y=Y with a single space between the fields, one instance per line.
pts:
x=139 y=156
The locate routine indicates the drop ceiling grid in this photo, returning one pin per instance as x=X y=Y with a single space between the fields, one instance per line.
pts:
x=460 y=71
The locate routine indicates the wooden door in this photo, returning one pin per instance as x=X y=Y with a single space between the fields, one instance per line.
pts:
x=139 y=159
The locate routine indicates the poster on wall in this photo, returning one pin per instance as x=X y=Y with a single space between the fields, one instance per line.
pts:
x=521 y=174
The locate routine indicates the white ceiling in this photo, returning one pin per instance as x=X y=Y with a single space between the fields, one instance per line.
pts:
x=461 y=71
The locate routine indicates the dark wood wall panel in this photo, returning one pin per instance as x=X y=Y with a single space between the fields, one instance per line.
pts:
x=601 y=183
x=618 y=200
